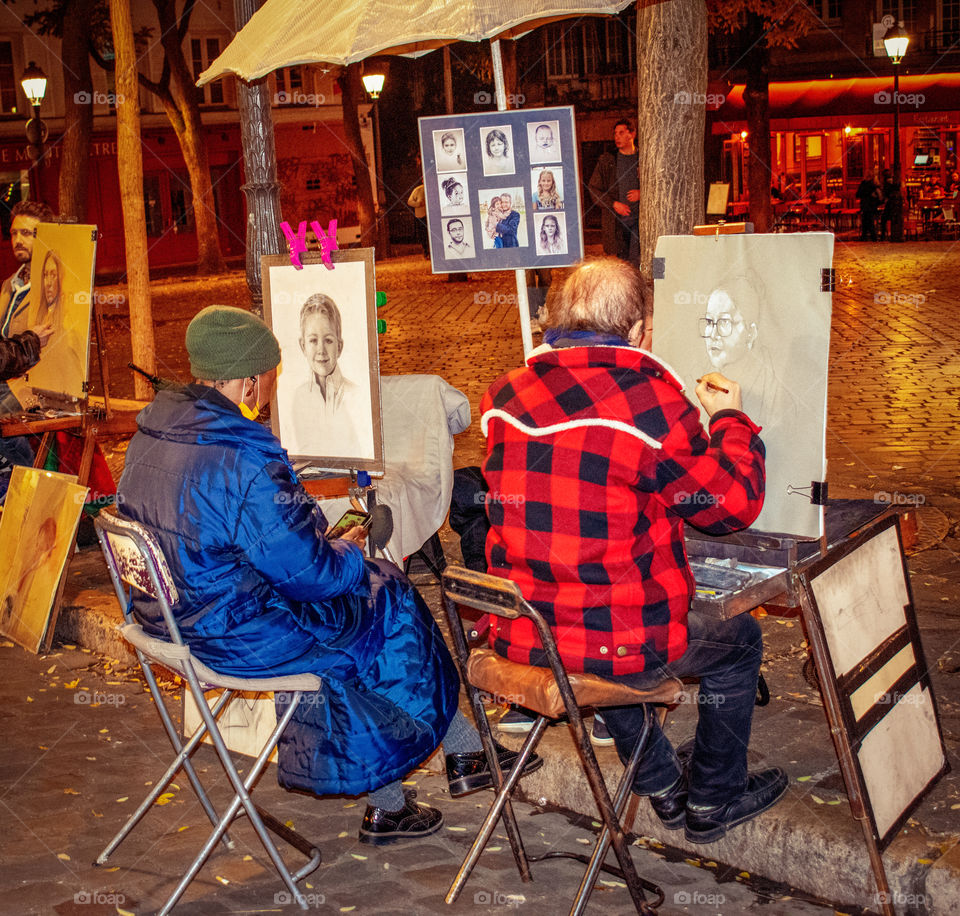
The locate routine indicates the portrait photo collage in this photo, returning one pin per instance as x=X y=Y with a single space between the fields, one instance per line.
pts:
x=501 y=190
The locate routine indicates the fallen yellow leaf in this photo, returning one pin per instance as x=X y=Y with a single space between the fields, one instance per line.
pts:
x=63 y=856
x=165 y=799
x=125 y=797
x=222 y=880
x=70 y=792
x=71 y=684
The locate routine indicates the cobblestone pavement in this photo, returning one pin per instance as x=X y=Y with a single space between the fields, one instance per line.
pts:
x=81 y=745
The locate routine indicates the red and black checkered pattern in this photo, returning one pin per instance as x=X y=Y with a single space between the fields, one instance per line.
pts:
x=594 y=461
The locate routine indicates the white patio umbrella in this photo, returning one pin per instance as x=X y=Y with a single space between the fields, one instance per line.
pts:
x=285 y=33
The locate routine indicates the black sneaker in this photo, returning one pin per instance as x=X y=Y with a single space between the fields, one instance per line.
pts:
x=411 y=822
x=516 y=721
x=764 y=790
x=599 y=734
x=469 y=772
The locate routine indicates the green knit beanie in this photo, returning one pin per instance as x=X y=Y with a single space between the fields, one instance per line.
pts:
x=227 y=343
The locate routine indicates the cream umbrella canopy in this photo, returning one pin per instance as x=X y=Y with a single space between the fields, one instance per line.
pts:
x=285 y=33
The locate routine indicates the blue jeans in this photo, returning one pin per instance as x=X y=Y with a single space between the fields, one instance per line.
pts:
x=725 y=655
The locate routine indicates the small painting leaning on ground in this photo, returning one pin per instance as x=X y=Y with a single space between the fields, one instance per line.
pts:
x=37 y=530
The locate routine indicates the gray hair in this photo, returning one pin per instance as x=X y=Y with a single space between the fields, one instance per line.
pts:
x=603 y=294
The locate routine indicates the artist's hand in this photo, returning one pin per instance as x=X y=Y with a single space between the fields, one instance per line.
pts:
x=357 y=534
x=44 y=332
x=620 y=207
x=718 y=393
x=634 y=195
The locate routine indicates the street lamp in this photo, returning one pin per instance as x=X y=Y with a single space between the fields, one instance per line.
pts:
x=895 y=41
x=34 y=84
x=373 y=83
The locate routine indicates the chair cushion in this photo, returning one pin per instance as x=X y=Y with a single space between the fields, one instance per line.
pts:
x=173 y=656
x=536 y=689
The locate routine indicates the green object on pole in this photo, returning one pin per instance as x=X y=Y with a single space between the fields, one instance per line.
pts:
x=381 y=298
x=381 y=326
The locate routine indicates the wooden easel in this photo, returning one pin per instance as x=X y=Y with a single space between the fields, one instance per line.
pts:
x=90 y=423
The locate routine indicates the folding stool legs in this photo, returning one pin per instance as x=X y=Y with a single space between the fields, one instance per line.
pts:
x=242 y=797
x=502 y=799
x=183 y=757
x=608 y=814
x=619 y=804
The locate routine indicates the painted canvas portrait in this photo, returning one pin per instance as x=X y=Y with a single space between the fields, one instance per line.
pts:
x=37 y=530
x=751 y=308
x=327 y=404
x=61 y=288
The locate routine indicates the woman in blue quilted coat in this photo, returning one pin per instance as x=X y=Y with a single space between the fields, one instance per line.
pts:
x=263 y=592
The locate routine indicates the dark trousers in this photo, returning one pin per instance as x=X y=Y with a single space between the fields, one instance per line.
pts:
x=628 y=242
x=868 y=225
x=725 y=655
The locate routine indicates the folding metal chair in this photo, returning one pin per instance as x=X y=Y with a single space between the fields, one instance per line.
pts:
x=136 y=563
x=551 y=693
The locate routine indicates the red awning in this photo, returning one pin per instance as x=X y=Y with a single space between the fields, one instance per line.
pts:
x=871 y=97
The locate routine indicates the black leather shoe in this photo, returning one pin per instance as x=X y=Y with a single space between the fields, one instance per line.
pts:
x=469 y=772
x=411 y=822
x=672 y=807
x=764 y=790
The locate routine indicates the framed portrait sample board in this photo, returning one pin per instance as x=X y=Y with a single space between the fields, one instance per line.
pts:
x=326 y=408
x=61 y=293
x=858 y=610
x=764 y=304
x=461 y=178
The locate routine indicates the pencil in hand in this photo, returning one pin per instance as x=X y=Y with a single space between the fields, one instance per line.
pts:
x=713 y=387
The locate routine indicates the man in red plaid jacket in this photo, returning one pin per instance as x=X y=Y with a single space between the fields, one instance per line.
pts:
x=595 y=459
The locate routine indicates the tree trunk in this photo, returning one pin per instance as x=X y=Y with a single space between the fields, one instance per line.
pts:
x=78 y=115
x=756 y=97
x=188 y=127
x=351 y=90
x=130 y=167
x=671 y=118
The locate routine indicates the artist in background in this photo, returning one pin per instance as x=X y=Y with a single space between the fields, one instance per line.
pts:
x=615 y=188
x=14 y=293
x=595 y=461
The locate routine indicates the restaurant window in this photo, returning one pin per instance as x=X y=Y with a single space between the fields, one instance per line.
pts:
x=289 y=79
x=561 y=50
x=8 y=79
x=204 y=51
x=950 y=19
x=901 y=10
x=152 y=204
x=826 y=9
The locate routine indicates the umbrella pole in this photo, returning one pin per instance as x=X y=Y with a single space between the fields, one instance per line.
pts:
x=522 y=304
